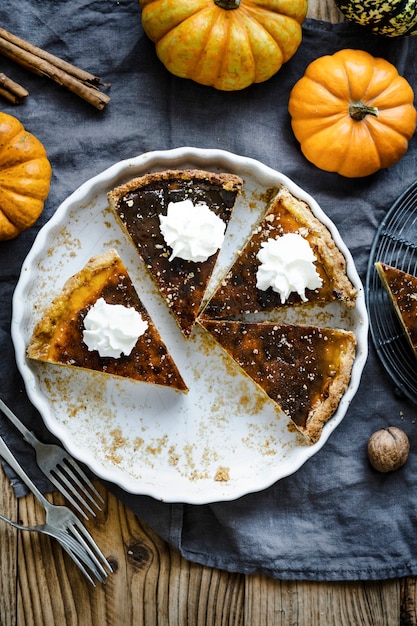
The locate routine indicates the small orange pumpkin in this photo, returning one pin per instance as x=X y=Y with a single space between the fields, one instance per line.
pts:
x=226 y=44
x=25 y=177
x=352 y=113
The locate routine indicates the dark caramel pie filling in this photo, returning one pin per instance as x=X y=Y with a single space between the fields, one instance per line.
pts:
x=138 y=206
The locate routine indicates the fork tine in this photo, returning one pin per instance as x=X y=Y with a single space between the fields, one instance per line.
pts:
x=65 y=478
x=77 y=549
x=72 y=465
x=89 y=551
x=79 y=564
x=93 y=550
x=59 y=480
x=85 y=478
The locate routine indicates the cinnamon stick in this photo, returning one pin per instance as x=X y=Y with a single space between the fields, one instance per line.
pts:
x=42 y=63
x=12 y=91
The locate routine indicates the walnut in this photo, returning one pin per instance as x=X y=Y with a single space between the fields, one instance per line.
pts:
x=388 y=449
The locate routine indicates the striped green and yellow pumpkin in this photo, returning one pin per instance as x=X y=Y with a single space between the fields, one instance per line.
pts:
x=392 y=18
x=226 y=44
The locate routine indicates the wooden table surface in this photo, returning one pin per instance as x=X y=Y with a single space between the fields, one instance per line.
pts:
x=154 y=586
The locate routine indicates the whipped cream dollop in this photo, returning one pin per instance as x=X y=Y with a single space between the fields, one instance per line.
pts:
x=112 y=329
x=192 y=231
x=287 y=265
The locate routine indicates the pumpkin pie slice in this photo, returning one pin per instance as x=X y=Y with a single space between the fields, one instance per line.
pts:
x=59 y=337
x=139 y=205
x=402 y=291
x=238 y=292
x=304 y=369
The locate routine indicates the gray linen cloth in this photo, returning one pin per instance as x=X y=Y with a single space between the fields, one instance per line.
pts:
x=336 y=518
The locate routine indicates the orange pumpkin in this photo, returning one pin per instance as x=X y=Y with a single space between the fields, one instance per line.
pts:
x=226 y=44
x=25 y=176
x=352 y=113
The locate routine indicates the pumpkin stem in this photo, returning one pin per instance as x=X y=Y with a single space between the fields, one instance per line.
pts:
x=227 y=4
x=358 y=111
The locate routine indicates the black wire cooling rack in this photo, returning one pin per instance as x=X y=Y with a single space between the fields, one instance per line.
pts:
x=395 y=243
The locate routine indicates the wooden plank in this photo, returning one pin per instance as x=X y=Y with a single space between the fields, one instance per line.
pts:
x=325 y=10
x=408 y=612
x=285 y=603
x=8 y=550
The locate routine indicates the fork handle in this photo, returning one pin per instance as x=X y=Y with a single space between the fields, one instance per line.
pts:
x=27 y=434
x=7 y=455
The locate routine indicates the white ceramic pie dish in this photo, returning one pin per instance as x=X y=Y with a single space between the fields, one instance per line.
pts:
x=150 y=440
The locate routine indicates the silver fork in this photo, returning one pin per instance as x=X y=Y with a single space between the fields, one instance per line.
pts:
x=62 y=518
x=59 y=468
x=68 y=543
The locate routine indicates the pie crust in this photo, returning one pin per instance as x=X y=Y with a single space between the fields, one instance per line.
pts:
x=58 y=336
x=304 y=369
x=238 y=294
x=402 y=291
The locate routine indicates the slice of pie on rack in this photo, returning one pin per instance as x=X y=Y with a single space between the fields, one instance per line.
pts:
x=238 y=293
x=60 y=335
x=402 y=291
x=139 y=205
x=304 y=369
